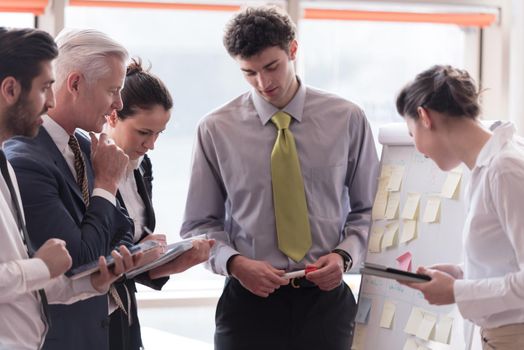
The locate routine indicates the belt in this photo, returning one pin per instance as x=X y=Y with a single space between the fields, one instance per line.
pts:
x=301 y=282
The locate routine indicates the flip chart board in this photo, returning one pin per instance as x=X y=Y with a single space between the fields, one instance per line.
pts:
x=418 y=215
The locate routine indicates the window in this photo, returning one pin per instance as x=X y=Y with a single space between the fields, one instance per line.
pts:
x=368 y=62
x=21 y=13
x=17 y=20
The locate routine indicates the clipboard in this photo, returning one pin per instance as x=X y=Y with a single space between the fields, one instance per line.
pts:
x=172 y=252
x=389 y=272
x=92 y=267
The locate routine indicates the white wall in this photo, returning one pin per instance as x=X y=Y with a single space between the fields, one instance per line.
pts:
x=516 y=65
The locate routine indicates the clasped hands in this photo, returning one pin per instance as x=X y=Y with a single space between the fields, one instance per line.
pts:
x=262 y=279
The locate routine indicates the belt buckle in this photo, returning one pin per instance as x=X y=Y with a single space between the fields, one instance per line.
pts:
x=294 y=282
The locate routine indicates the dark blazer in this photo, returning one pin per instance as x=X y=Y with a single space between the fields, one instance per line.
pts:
x=54 y=207
x=121 y=335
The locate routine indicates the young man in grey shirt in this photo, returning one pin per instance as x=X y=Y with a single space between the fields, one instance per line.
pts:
x=233 y=196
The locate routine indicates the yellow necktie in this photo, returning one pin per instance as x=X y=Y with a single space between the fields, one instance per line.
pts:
x=291 y=214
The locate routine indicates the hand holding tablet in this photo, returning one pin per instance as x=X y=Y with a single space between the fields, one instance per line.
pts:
x=388 y=272
x=93 y=266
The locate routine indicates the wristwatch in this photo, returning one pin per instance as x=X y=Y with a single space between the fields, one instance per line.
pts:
x=348 y=261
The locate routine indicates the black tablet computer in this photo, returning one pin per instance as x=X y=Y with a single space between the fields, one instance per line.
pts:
x=388 y=272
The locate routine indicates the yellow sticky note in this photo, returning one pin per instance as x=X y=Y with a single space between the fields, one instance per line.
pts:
x=390 y=235
x=427 y=326
x=449 y=189
x=431 y=212
x=392 y=206
x=381 y=199
x=359 y=337
x=396 y=178
x=375 y=239
x=410 y=344
x=459 y=169
x=386 y=171
x=411 y=206
x=409 y=230
x=414 y=320
x=443 y=331
x=388 y=312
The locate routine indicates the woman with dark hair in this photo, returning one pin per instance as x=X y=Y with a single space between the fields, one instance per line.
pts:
x=441 y=108
x=146 y=111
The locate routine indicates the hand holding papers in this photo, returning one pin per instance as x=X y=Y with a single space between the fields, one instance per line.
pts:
x=153 y=254
x=179 y=257
x=172 y=251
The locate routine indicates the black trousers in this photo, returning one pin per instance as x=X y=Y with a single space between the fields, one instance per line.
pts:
x=290 y=318
x=123 y=336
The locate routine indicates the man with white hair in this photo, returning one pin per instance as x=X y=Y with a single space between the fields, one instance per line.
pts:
x=29 y=279
x=68 y=185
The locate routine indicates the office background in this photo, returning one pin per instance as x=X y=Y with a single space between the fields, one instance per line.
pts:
x=362 y=50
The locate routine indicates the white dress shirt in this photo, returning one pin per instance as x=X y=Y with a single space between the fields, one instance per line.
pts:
x=21 y=316
x=61 y=139
x=133 y=202
x=136 y=211
x=492 y=293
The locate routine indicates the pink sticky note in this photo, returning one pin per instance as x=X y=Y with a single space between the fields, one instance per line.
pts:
x=404 y=261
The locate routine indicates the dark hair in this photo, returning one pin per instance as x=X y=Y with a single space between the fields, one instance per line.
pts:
x=142 y=90
x=444 y=89
x=256 y=28
x=21 y=53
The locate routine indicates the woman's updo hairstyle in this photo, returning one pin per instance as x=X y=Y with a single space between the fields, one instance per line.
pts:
x=142 y=90
x=443 y=89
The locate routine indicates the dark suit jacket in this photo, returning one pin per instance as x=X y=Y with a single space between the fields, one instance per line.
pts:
x=121 y=335
x=54 y=207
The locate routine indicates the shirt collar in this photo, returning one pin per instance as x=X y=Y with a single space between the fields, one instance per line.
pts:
x=134 y=164
x=294 y=108
x=501 y=135
x=58 y=134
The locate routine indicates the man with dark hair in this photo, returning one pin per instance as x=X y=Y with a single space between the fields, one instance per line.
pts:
x=283 y=178
x=29 y=279
x=68 y=184
x=33 y=48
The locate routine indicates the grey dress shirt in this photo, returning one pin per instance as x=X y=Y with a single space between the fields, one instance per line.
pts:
x=230 y=195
